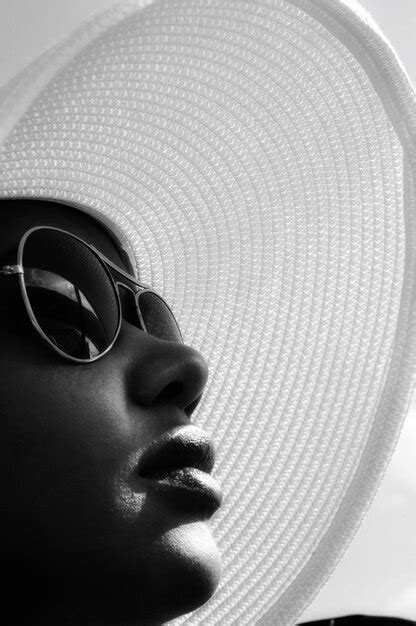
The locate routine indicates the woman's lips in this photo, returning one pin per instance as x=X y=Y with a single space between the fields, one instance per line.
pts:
x=179 y=463
x=184 y=446
x=190 y=487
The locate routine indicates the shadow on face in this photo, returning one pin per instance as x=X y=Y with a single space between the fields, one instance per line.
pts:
x=86 y=537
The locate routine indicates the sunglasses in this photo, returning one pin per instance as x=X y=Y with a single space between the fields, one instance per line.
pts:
x=76 y=298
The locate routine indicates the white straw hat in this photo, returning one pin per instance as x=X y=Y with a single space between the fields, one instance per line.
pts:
x=258 y=157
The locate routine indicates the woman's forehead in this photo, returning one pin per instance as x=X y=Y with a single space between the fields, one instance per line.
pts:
x=18 y=215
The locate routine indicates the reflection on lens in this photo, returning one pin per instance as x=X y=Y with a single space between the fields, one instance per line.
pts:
x=158 y=318
x=70 y=293
x=64 y=314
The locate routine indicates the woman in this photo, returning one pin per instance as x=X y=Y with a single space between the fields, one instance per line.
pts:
x=255 y=160
x=99 y=527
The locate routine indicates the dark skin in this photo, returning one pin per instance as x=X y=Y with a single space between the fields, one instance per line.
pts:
x=85 y=540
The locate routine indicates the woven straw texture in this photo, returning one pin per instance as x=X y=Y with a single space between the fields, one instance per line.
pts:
x=257 y=155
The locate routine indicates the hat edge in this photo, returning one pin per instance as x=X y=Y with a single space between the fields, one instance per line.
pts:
x=18 y=93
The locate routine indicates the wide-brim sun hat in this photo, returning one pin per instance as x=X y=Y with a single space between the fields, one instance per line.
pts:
x=257 y=160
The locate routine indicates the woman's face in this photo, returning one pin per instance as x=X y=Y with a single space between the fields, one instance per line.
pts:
x=84 y=535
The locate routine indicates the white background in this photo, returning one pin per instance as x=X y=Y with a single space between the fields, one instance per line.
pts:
x=378 y=573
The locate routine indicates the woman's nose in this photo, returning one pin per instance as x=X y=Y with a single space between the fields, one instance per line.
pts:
x=167 y=372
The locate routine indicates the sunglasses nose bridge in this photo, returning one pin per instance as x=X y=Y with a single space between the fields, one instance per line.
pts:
x=129 y=305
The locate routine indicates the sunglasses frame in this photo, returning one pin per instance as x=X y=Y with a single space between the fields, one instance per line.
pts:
x=18 y=270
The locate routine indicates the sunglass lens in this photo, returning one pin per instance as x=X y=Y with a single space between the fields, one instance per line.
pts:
x=70 y=293
x=158 y=317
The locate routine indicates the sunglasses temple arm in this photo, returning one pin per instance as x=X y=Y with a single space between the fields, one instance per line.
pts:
x=10 y=270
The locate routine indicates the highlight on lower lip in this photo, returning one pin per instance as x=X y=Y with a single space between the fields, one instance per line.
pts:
x=192 y=482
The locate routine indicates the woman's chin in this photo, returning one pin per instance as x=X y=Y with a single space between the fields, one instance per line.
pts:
x=191 y=568
x=180 y=573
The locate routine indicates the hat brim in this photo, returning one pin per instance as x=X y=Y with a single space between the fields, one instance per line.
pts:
x=258 y=157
